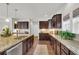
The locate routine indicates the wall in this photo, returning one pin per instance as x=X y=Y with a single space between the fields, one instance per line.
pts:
x=35 y=25
x=68 y=9
x=74 y=23
x=4 y=23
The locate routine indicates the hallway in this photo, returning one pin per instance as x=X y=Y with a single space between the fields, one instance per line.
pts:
x=41 y=48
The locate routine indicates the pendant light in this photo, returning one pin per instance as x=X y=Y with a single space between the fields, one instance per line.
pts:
x=7 y=20
x=16 y=15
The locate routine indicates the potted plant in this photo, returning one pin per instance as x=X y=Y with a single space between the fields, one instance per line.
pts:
x=6 y=32
x=67 y=35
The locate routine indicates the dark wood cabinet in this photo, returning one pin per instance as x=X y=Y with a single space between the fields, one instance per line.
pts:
x=44 y=36
x=52 y=42
x=25 y=47
x=66 y=17
x=76 y=12
x=63 y=53
x=3 y=53
x=43 y=24
x=65 y=49
x=56 y=21
x=59 y=48
x=22 y=25
x=27 y=44
x=55 y=47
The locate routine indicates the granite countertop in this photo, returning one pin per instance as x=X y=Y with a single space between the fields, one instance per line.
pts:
x=7 y=42
x=73 y=45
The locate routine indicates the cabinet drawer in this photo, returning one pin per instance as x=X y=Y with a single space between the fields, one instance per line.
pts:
x=66 y=50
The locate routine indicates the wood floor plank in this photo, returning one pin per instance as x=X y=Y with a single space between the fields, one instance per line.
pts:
x=36 y=42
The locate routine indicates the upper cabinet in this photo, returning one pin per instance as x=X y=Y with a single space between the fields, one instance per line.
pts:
x=76 y=12
x=43 y=24
x=56 y=21
x=75 y=21
x=22 y=25
x=66 y=22
x=67 y=17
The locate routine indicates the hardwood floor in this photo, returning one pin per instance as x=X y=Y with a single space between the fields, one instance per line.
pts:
x=37 y=42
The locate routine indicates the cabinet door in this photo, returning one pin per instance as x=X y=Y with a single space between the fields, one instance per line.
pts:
x=59 y=21
x=22 y=25
x=56 y=21
x=25 y=47
x=55 y=47
x=53 y=23
x=58 y=48
x=65 y=49
x=44 y=36
x=43 y=24
x=52 y=42
x=41 y=37
x=63 y=53
x=29 y=43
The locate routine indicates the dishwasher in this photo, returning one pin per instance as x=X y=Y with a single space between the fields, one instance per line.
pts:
x=16 y=50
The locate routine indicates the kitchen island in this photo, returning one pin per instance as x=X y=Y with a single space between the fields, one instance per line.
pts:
x=62 y=46
x=59 y=45
x=7 y=43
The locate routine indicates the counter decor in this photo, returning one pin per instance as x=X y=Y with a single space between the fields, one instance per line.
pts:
x=66 y=35
x=5 y=32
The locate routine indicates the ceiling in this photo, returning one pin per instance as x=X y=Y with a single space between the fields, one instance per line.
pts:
x=31 y=10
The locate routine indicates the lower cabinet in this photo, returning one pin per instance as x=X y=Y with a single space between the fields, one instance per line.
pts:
x=44 y=37
x=27 y=44
x=71 y=53
x=3 y=53
x=52 y=42
x=59 y=48
x=55 y=47
x=58 y=45
x=25 y=47
x=63 y=53
x=64 y=49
